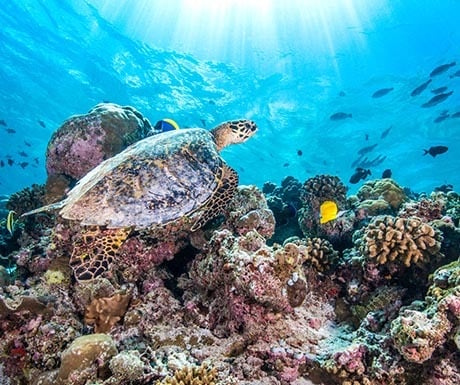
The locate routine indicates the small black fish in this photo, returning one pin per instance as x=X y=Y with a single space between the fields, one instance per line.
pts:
x=382 y=92
x=439 y=90
x=23 y=153
x=455 y=74
x=441 y=69
x=441 y=117
x=27 y=143
x=340 y=116
x=212 y=102
x=2 y=163
x=386 y=173
x=24 y=164
x=10 y=131
x=437 y=99
x=366 y=137
x=2 y=123
x=436 y=150
x=455 y=115
x=385 y=133
x=42 y=123
x=286 y=164
x=299 y=152
x=418 y=90
x=342 y=93
x=10 y=161
x=366 y=149
x=445 y=188
x=360 y=173
x=36 y=160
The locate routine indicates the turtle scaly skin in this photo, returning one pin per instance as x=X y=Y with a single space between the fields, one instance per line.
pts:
x=176 y=179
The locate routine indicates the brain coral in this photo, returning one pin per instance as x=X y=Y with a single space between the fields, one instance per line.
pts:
x=84 y=141
x=407 y=240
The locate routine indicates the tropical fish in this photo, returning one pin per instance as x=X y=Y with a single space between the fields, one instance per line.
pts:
x=439 y=90
x=10 y=131
x=286 y=164
x=24 y=164
x=441 y=69
x=23 y=153
x=437 y=99
x=342 y=93
x=27 y=143
x=442 y=116
x=2 y=163
x=36 y=160
x=418 y=90
x=387 y=173
x=360 y=173
x=10 y=222
x=366 y=149
x=385 y=133
x=328 y=211
x=10 y=162
x=382 y=92
x=42 y=123
x=455 y=74
x=2 y=122
x=455 y=115
x=436 y=150
x=299 y=152
x=340 y=116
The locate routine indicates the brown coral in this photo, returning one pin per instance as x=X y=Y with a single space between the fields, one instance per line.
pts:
x=407 y=240
x=320 y=253
x=386 y=189
x=27 y=199
x=105 y=312
x=201 y=375
x=425 y=209
x=324 y=187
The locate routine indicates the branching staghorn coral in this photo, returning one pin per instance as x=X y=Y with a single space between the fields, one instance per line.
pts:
x=401 y=240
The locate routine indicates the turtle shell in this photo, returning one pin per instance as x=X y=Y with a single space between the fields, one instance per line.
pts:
x=158 y=180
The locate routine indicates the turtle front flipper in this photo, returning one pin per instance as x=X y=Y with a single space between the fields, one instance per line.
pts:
x=95 y=252
x=227 y=184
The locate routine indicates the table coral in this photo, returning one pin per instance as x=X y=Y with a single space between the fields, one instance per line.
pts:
x=401 y=240
x=84 y=141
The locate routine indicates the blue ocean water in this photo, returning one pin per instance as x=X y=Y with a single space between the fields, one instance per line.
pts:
x=287 y=65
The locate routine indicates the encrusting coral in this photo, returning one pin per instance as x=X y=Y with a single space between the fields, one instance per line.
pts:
x=400 y=240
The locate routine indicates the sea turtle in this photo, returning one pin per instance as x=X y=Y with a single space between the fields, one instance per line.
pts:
x=174 y=180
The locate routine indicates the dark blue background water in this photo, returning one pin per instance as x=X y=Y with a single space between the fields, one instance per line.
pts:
x=288 y=67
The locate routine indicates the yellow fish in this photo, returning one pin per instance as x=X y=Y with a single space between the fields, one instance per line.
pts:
x=10 y=222
x=328 y=211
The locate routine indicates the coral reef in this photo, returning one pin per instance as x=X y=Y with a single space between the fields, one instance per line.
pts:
x=84 y=141
x=247 y=299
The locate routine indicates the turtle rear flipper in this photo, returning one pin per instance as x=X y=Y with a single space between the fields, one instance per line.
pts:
x=94 y=253
x=215 y=205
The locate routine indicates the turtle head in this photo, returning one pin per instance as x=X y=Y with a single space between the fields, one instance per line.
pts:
x=235 y=131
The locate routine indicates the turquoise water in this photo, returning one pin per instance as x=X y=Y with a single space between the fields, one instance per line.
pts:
x=288 y=65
